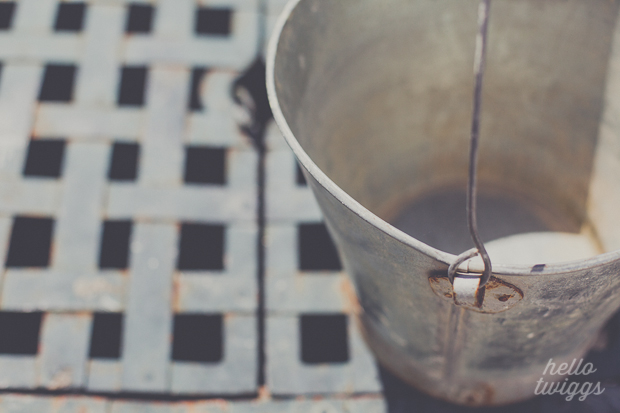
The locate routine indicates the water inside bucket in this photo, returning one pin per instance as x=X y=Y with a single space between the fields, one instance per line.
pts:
x=515 y=231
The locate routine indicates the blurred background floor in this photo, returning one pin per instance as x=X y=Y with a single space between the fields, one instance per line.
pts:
x=158 y=239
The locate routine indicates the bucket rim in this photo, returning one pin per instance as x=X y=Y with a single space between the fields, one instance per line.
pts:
x=365 y=214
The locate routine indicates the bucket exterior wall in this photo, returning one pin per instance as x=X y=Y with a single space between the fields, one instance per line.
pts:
x=450 y=352
x=454 y=353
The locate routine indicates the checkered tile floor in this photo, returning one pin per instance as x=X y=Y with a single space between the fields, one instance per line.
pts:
x=129 y=227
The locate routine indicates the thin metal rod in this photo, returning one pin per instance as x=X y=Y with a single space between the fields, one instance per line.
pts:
x=479 y=64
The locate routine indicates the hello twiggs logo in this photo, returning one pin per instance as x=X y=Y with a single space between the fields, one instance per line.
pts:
x=564 y=387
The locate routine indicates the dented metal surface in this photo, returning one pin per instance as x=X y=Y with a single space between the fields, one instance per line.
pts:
x=376 y=122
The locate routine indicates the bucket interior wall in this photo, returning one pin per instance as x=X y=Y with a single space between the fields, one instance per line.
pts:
x=379 y=95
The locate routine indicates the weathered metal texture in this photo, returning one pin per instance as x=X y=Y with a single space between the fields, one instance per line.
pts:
x=374 y=98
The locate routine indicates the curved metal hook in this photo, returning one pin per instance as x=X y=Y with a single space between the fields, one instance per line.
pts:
x=479 y=63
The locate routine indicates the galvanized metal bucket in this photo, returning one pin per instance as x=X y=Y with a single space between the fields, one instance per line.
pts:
x=374 y=98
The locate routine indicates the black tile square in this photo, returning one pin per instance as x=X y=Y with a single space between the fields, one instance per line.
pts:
x=139 y=18
x=106 y=334
x=213 y=21
x=195 y=101
x=115 y=237
x=317 y=251
x=197 y=338
x=132 y=86
x=70 y=17
x=58 y=82
x=201 y=247
x=31 y=239
x=205 y=165
x=7 y=11
x=300 y=179
x=324 y=338
x=124 y=162
x=44 y=158
x=19 y=332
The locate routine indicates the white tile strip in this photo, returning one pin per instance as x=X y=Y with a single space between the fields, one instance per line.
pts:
x=18 y=372
x=162 y=152
x=14 y=403
x=87 y=123
x=32 y=196
x=98 y=74
x=64 y=350
x=35 y=16
x=78 y=223
x=28 y=290
x=148 y=321
x=18 y=94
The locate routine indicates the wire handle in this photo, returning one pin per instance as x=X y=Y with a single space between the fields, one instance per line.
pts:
x=472 y=223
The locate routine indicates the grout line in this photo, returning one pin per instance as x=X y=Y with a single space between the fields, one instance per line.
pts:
x=261 y=313
x=127 y=395
x=249 y=91
x=260 y=120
